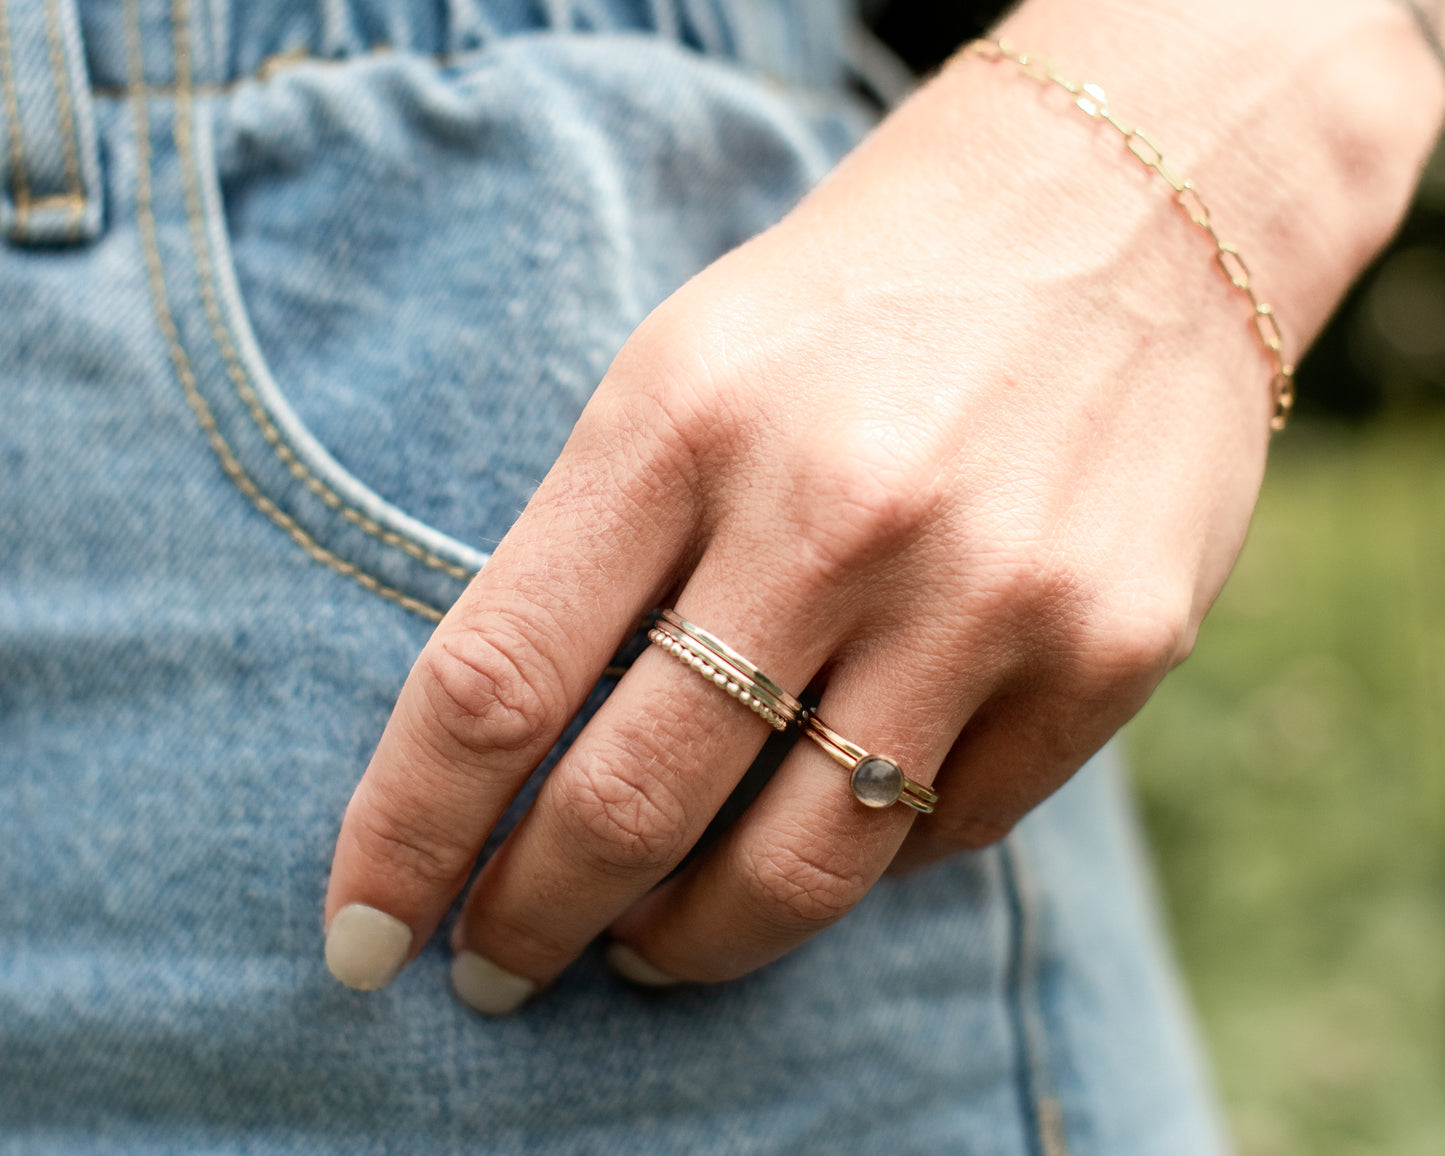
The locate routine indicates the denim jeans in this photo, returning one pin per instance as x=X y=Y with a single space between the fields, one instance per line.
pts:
x=298 y=301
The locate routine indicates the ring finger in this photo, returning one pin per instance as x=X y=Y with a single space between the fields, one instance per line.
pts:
x=807 y=850
x=633 y=794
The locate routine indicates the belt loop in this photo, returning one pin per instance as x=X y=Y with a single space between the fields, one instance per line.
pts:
x=50 y=186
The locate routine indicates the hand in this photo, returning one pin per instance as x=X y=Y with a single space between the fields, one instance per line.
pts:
x=964 y=442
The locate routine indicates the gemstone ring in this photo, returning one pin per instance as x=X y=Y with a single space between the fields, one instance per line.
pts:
x=876 y=780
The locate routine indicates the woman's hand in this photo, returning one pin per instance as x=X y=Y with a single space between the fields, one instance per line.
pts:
x=969 y=442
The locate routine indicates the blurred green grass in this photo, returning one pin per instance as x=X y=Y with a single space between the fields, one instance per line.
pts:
x=1292 y=775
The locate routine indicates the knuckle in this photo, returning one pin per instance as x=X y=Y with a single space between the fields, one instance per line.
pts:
x=668 y=388
x=531 y=950
x=799 y=887
x=412 y=846
x=853 y=506
x=638 y=431
x=1049 y=588
x=1025 y=582
x=623 y=819
x=1129 y=646
x=1099 y=635
x=490 y=693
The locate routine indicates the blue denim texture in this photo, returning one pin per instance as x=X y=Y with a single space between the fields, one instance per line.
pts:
x=260 y=419
x=49 y=160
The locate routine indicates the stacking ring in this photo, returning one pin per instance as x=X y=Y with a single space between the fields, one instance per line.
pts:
x=725 y=668
x=876 y=781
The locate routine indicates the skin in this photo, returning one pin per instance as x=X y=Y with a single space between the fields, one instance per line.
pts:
x=969 y=441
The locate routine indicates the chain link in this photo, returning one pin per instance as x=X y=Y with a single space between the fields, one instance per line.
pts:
x=1093 y=102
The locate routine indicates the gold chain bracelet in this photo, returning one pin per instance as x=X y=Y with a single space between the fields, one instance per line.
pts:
x=1090 y=99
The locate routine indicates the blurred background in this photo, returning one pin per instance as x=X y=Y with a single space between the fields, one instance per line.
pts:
x=1292 y=772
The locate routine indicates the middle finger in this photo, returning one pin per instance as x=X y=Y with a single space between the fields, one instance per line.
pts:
x=807 y=850
x=635 y=792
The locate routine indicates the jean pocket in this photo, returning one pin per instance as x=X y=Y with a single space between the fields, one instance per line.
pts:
x=265 y=446
x=399 y=279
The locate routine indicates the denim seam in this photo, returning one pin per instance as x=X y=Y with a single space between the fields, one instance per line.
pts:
x=220 y=329
x=269 y=68
x=1043 y=1109
x=156 y=276
x=74 y=198
x=273 y=65
x=14 y=129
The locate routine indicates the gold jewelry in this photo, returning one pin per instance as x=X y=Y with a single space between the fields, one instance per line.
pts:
x=725 y=668
x=876 y=781
x=1090 y=99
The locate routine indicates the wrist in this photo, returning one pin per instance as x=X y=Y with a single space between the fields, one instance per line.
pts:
x=1304 y=123
x=991 y=200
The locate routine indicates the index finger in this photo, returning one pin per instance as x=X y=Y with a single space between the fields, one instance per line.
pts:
x=494 y=687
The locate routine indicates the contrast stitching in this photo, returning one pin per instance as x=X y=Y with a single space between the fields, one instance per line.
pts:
x=185 y=144
x=66 y=201
x=19 y=180
x=1051 y=1127
x=156 y=276
x=66 y=107
x=195 y=213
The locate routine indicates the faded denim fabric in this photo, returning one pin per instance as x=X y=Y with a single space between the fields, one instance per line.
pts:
x=341 y=275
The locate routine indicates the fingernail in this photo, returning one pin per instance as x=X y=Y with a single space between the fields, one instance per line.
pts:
x=482 y=985
x=631 y=966
x=365 y=948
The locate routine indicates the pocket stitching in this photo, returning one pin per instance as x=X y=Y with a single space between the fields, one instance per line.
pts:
x=230 y=465
x=220 y=330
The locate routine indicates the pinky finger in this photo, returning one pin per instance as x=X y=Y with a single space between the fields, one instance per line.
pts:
x=1015 y=752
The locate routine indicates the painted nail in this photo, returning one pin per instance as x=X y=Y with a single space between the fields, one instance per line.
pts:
x=489 y=989
x=631 y=966
x=365 y=948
